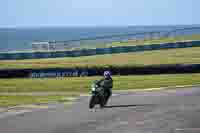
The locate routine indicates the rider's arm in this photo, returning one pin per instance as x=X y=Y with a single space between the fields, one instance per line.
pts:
x=99 y=82
x=111 y=83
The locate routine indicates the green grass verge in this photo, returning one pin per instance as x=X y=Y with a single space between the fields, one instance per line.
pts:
x=156 y=41
x=171 y=56
x=6 y=101
x=142 y=42
x=82 y=84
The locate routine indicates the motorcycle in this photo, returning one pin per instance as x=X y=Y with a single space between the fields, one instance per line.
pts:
x=98 y=96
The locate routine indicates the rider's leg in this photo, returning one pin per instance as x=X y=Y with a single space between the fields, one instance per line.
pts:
x=108 y=94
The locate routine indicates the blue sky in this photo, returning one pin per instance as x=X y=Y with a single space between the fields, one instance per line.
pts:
x=26 y=13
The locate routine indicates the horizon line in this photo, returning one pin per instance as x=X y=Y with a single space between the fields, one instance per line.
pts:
x=90 y=26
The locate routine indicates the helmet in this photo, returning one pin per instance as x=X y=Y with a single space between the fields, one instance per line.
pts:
x=107 y=74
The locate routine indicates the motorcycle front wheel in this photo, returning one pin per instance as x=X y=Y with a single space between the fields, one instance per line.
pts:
x=92 y=102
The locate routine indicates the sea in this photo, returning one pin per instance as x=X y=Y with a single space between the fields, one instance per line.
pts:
x=20 y=39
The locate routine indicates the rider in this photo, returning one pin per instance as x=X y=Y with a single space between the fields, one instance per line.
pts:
x=107 y=83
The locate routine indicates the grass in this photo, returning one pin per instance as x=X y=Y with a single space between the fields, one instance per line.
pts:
x=156 y=41
x=171 y=56
x=82 y=84
x=143 y=42
x=6 y=101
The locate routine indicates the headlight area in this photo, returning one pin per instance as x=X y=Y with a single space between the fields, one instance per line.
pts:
x=93 y=88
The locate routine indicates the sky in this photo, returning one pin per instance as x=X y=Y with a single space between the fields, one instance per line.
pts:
x=31 y=13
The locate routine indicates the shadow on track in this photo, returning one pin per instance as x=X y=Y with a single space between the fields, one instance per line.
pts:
x=128 y=105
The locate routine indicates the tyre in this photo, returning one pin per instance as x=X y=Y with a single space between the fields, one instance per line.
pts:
x=92 y=102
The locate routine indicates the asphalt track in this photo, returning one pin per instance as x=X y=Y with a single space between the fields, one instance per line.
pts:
x=166 y=111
